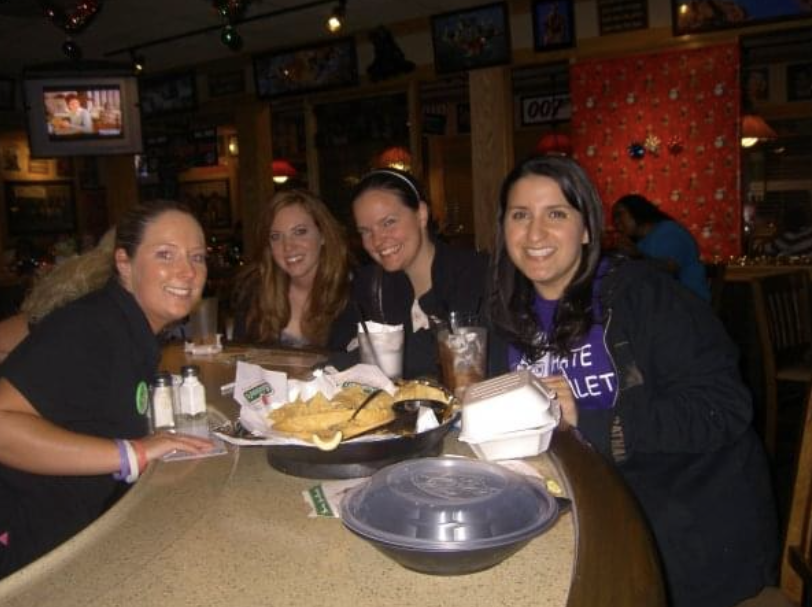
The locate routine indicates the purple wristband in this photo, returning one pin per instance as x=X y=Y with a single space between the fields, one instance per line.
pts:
x=123 y=461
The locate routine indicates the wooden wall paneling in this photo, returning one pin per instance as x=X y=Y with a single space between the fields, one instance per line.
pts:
x=117 y=174
x=491 y=145
x=253 y=121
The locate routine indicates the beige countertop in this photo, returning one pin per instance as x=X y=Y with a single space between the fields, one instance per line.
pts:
x=230 y=530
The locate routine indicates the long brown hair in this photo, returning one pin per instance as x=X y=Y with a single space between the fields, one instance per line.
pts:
x=263 y=286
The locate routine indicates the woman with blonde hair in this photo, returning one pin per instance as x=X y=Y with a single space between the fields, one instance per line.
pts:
x=66 y=282
x=297 y=281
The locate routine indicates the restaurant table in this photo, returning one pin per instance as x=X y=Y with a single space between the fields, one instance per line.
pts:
x=231 y=530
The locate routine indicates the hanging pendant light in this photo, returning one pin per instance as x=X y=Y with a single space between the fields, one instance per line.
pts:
x=396 y=157
x=755 y=129
x=554 y=143
x=282 y=170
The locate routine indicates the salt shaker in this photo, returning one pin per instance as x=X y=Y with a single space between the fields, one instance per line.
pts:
x=162 y=405
x=192 y=393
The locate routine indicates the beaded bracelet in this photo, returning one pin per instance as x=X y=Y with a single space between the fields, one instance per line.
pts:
x=133 y=458
x=123 y=461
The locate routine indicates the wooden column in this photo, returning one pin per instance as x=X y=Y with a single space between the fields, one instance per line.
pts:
x=253 y=121
x=117 y=176
x=491 y=145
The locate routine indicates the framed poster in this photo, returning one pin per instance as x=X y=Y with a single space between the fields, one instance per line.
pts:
x=616 y=16
x=40 y=207
x=553 y=24
x=306 y=69
x=799 y=82
x=226 y=83
x=209 y=201
x=168 y=94
x=693 y=17
x=472 y=38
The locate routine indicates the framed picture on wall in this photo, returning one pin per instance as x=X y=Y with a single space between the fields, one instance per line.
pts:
x=209 y=200
x=472 y=38
x=693 y=17
x=553 y=24
x=40 y=207
x=168 y=94
x=799 y=82
x=306 y=69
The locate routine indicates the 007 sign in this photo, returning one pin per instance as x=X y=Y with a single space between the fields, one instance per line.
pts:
x=540 y=110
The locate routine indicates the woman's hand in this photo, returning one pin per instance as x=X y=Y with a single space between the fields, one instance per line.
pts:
x=159 y=444
x=563 y=394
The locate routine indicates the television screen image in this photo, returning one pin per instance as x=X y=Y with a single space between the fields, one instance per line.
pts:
x=82 y=114
x=88 y=113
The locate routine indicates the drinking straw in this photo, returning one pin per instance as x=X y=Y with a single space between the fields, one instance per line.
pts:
x=366 y=332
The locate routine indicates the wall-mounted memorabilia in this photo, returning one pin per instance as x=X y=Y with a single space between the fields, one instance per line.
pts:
x=226 y=83
x=40 y=207
x=472 y=38
x=209 y=200
x=553 y=24
x=705 y=16
x=616 y=16
x=799 y=82
x=306 y=69
x=168 y=94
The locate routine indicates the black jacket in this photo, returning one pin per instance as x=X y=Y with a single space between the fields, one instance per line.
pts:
x=459 y=277
x=681 y=435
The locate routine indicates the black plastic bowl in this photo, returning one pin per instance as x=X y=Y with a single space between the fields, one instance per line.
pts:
x=448 y=516
x=354 y=459
x=448 y=562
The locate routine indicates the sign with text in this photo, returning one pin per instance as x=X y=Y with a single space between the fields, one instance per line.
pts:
x=545 y=108
x=616 y=16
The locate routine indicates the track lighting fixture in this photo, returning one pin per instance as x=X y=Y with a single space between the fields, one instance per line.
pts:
x=336 y=21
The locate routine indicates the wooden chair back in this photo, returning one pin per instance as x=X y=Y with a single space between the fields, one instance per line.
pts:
x=796 y=562
x=784 y=323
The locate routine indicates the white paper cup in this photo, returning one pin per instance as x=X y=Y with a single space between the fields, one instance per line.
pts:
x=385 y=350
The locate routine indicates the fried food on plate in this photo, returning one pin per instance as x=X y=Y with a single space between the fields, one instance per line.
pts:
x=319 y=415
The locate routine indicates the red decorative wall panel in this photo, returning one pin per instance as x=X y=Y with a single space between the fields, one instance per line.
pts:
x=665 y=125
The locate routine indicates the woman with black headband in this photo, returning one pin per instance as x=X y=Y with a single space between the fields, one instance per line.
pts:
x=415 y=276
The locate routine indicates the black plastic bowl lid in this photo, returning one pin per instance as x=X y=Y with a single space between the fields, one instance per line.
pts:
x=443 y=503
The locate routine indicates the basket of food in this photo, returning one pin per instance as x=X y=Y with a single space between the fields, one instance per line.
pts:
x=330 y=443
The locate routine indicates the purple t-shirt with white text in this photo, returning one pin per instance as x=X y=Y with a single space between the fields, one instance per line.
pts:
x=587 y=367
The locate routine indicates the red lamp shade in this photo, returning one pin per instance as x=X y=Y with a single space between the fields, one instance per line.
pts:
x=395 y=157
x=554 y=143
x=755 y=129
x=282 y=170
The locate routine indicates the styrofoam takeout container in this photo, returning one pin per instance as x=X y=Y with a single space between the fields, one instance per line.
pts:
x=513 y=445
x=507 y=404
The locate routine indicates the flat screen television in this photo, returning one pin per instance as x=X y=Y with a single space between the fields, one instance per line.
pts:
x=82 y=115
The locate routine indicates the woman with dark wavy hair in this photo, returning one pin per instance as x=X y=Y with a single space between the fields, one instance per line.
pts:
x=297 y=282
x=647 y=375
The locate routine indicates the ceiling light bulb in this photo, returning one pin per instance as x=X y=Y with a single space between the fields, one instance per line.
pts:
x=748 y=142
x=336 y=20
x=333 y=24
x=280 y=178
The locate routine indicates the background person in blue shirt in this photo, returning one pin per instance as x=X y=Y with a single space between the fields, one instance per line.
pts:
x=656 y=235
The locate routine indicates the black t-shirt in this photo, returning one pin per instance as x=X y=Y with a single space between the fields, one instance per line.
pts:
x=86 y=368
